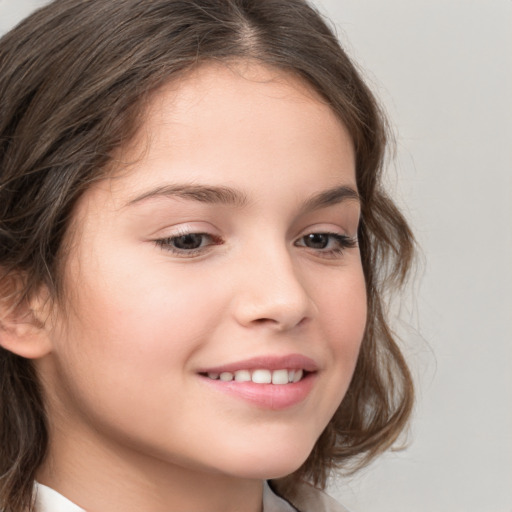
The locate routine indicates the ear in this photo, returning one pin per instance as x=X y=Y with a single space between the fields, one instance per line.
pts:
x=23 y=326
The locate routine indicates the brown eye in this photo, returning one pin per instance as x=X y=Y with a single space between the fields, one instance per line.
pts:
x=188 y=242
x=327 y=244
x=317 y=240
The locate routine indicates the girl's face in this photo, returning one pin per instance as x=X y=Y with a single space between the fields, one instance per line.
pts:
x=221 y=256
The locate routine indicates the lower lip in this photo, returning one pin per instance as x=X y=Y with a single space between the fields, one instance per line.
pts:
x=266 y=396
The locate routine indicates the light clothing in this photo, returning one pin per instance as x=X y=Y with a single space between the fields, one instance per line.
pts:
x=48 y=500
x=309 y=499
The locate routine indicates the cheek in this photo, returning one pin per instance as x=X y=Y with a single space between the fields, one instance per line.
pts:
x=343 y=321
x=146 y=312
x=126 y=349
x=344 y=310
x=132 y=322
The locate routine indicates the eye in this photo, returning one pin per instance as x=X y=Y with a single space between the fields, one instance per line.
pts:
x=329 y=244
x=188 y=244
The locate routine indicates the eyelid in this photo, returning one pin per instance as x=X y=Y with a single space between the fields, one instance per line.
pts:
x=343 y=241
x=165 y=242
x=349 y=240
x=331 y=228
x=182 y=228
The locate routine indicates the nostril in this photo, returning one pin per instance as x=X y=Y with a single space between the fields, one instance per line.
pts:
x=264 y=320
x=276 y=322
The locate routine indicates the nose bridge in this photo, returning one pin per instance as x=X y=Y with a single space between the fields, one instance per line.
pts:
x=272 y=290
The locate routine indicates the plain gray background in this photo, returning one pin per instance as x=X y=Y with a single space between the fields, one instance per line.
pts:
x=443 y=69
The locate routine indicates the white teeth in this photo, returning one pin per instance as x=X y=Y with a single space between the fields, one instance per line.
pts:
x=260 y=376
x=280 y=377
x=243 y=376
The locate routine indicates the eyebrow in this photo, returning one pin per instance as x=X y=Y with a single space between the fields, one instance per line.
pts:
x=202 y=193
x=331 y=197
x=232 y=197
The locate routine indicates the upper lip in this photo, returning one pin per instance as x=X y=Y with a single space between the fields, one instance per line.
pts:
x=290 y=361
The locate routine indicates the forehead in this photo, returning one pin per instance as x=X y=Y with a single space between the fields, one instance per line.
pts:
x=232 y=113
x=229 y=81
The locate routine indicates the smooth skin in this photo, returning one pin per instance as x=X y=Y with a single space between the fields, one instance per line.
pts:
x=162 y=282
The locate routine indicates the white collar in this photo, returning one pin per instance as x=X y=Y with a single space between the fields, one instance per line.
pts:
x=49 y=500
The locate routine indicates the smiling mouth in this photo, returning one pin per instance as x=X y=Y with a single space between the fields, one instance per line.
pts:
x=267 y=382
x=260 y=376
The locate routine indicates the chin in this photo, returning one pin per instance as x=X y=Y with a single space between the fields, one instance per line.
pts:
x=273 y=461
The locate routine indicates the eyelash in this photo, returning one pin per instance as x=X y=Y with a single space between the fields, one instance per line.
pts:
x=343 y=242
x=167 y=243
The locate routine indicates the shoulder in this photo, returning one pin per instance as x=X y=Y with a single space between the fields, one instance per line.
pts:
x=311 y=499
x=307 y=498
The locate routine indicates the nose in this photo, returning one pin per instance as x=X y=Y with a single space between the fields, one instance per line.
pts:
x=272 y=292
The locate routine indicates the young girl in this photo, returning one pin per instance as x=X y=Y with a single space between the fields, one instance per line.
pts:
x=194 y=248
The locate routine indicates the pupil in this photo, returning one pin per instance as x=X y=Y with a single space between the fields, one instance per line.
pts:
x=317 y=240
x=191 y=241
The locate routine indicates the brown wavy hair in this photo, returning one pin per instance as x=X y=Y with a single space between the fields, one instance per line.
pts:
x=75 y=77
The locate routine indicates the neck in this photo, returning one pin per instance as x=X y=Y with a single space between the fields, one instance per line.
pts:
x=110 y=476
